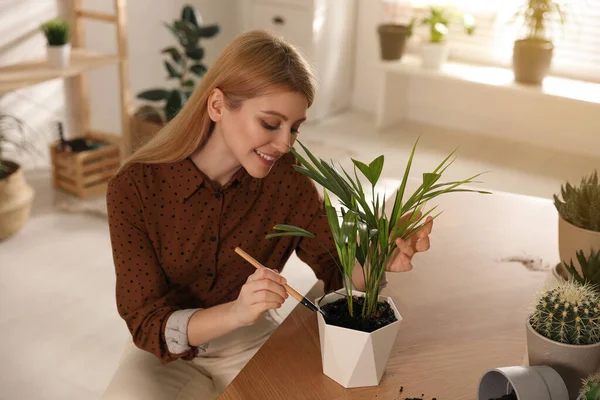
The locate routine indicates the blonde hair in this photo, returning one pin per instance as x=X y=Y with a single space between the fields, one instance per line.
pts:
x=250 y=65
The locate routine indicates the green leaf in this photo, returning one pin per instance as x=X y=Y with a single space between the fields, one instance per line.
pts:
x=199 y=69
x=208 y=31
x=154 y=94
x=189 y=14
x=175 y=54
x=290 y=230
x=376 y=167
x=173 y=73
x=189 y=83
x=195 y=54
x=364 y=168
x=173 y=29
x=397 y=209
x=174 y=104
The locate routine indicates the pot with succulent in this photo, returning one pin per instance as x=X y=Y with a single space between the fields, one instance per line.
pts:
x=533 y=52
x=16 y=195
x=184 y=64
x=393 y=35
x=58 y=36
x=563 y=332
x=435 y=51
x=360 y=328
x=590 y=389
x=578 y=222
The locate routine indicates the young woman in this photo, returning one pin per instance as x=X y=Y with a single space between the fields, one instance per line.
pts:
x=218 y=176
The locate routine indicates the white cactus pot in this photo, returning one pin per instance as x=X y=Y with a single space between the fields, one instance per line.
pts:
x=354 y=358
x=434 y=55
x=59 y=56
x=535 y=383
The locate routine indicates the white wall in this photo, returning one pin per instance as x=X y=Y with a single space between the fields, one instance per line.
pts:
x=42 y=104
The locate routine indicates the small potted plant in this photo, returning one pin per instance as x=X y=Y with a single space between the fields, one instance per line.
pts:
x=58 y=36
x=522 y=383
x=392 y=34
x=590 y=269
x=360 y=328
x=591 y=388
x=563 y=332
x=183 y=64
x=435 y=51
x=533 y=52
x=16 y=195
x=578 y=219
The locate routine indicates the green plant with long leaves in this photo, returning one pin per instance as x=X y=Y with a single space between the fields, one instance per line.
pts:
x=57 y=32
x=538 y=16
x=12 y=132
x=590 y=269
x=184 y=64
x=439 y=19
x=580 y=205
x=361 y=229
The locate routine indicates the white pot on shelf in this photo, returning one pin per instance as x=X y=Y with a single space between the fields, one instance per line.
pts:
x=434 y=55
x=354 y=358
x=59 y=56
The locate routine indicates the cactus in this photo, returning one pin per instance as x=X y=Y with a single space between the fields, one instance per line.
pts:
x=569 y=313
x=581 y=205
x=590 y=267
x=591 y=388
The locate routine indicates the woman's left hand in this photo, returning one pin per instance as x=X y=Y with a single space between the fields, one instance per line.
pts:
x=401 y=260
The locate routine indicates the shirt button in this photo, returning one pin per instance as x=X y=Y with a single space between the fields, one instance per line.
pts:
x=217 y=195
x=213 y=239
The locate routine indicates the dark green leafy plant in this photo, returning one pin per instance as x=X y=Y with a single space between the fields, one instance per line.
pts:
x=184 y=64
x=581 y=205
x=439 y=20
x=57 y=32
x=11 y=127
x=590 y=268
x=361 y=228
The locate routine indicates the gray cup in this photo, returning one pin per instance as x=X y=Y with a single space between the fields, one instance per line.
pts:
x=528 y=383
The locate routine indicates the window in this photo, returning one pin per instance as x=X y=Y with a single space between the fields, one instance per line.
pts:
x=576 y=44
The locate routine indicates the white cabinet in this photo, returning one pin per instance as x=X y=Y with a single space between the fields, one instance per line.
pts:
x=323 y=30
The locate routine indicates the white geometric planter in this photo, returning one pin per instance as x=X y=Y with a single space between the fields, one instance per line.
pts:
x=355 y=358
x=59 y=56
x=539 y=383
x=434 y=55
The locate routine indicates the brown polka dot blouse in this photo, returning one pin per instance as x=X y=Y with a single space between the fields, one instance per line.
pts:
x=173 y=235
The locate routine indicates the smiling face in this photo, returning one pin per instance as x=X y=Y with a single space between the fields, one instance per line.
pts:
x=260 y=131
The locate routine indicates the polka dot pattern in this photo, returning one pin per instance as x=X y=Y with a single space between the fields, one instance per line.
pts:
x=173 y=235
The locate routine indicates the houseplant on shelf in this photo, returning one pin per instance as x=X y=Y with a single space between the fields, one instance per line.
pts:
x=58 y=36
x=360 y=328
x=393 y=35
x=578 y=221
x=183 y=64
x=563 y=332
x=16 y=195
x=434 y=52
x=591 y=388
x=532 y=53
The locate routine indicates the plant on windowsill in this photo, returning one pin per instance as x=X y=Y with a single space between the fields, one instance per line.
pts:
x=393 y=35
x=532 y=53
x=16 y=195
x=58 y=35
x=434 y=52
x=578 y=222
x=184 y=64
x=364 y=233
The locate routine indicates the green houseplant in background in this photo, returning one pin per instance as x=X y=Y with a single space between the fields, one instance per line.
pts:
x=16 y=195
x=578 y=221
x=563 y=332
x=364 y=233
x=58 y=36
x=393 y=35
x=434 y=52
x=591 y=388
x=533 y=51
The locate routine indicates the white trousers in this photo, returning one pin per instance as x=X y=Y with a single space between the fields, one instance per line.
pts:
x=141 y=376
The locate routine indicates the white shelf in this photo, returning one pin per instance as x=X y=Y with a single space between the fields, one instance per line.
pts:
x=495 y=76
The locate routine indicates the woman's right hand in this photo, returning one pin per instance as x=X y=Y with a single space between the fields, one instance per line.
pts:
x=262 y=291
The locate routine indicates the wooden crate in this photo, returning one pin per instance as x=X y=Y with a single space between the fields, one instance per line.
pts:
x=86 y=173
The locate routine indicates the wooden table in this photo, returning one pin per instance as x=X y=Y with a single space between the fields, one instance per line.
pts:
x=464 y=307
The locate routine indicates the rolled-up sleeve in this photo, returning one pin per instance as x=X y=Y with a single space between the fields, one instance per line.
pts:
x=143 y=298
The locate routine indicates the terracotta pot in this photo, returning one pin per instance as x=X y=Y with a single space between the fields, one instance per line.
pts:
x=355 y=358
x=392 y=41
x=572 y=238
x=573 y=363
x=434 y=55
x=539 y=383
x=16 y=197
x=531 y=60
